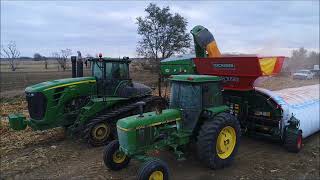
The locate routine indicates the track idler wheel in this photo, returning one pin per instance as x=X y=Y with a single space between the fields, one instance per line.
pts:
x=99 y=134
x=154 y=170
x=113 y=158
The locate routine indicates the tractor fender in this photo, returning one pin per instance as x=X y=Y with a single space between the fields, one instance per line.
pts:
x=212 y=111
x=206 y=114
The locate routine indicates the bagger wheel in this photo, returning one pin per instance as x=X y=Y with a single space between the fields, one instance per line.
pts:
x=154 y=170
x=293 y=141
x=99 y=134
x=113 y=158
x=218 y=140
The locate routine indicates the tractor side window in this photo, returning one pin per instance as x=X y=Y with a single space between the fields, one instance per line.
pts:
x=124 y=71
x=109 y=67
x=212 y=94
x=190 y=96
x=120 y=71
x=185 y=96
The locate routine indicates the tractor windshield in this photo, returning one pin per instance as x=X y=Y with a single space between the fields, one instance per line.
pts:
x=185 y=96
x=114 y=70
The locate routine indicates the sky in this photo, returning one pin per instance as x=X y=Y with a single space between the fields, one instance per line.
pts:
x=109 y=27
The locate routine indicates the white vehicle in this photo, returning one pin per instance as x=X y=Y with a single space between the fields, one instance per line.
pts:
x=303 y=74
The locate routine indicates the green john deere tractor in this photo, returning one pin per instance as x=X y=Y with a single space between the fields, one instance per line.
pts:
x=196 y=114
x=87 y=106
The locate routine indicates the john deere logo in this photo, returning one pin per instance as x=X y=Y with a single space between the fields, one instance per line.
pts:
x=224 y=66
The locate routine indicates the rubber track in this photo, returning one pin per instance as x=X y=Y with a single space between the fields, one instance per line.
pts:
x=117 y=112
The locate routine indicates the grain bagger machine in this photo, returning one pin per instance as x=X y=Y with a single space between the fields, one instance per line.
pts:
x=260 y=112
x=87 y=106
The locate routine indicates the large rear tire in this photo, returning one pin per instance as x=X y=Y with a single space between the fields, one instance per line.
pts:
x=218 y=140
x=113 y=158
x=154 y=170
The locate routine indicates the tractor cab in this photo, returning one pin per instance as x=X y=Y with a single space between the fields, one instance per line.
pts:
x=113 y=78
x=110 y=73
x=194 y=93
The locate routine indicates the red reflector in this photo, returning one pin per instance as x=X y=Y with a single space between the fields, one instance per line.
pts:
x=190 y=78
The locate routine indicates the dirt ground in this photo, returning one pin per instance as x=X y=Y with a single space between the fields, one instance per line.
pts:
x=52 y=155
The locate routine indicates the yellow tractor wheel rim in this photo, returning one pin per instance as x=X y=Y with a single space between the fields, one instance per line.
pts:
x=101 y=131
x=226 y=142
x=156 y=175
x=118 y=157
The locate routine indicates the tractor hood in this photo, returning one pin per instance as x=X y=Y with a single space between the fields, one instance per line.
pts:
x=149 y=119
x=44 y=86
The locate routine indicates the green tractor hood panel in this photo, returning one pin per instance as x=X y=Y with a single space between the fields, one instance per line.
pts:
x=130 y=128
x=47 y=102
x=48 y=85
x=149 y=119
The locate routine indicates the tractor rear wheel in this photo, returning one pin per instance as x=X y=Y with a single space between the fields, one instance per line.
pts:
x=99 y=134
x=113 y=158
x=154 y=170
x=293 y=141
x=218 y=140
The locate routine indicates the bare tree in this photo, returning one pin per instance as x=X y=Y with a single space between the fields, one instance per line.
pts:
x=45 y=60
x=88 y=56
x=56 y=55
x=162 y=33
x=62 y=57
x=12 y=54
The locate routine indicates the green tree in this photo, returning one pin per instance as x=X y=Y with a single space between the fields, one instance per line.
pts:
x=162 y=33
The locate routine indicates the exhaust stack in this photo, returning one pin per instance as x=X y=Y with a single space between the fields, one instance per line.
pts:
x=79 y=68
x=73 y=66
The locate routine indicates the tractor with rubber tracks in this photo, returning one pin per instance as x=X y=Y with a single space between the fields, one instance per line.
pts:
x=196 y=115
x=88 y=107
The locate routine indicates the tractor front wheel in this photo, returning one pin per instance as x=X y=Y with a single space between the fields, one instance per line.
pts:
x=113 y=158
x=218 y=140
x=154 y=170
